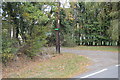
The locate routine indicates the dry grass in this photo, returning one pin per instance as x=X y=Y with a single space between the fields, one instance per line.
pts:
x=61 y=66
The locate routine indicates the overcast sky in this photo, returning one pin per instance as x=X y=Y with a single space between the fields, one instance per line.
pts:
x=65 y=3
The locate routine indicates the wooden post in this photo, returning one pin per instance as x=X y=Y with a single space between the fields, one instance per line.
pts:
x=58 y=31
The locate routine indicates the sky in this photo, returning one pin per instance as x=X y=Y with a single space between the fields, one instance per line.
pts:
x=65 y=3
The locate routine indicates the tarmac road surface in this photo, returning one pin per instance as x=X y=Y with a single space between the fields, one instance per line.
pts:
x=110 y=72
x=105 y=63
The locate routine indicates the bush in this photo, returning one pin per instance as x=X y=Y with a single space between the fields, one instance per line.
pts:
x=35 y=41
x=9 y=48
x=6 y=57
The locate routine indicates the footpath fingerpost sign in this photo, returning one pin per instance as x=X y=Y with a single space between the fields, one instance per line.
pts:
x=56 y=29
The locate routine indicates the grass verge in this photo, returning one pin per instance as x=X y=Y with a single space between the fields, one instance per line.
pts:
x=100 y=48
x=62 y=66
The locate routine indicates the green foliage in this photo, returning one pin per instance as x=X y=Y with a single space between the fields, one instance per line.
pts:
x=9 y=48
x=25 y=26
x=7 y=57
x=96 y=22
x=113 y=31
x=7 y=43
x=36 y=38
x=36 y=41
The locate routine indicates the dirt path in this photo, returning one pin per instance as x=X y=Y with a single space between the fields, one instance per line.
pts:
x=100 y=59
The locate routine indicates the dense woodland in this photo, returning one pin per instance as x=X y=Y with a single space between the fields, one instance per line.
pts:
x=29 y=26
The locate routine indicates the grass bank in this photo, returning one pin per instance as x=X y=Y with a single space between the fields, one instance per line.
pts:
x=61 y=66
x=101 y=48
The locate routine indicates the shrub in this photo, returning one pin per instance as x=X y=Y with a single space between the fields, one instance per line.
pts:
x=35 y=41
x=6 y=57
x=9 y=48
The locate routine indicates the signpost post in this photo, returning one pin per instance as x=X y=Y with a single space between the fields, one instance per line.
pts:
x=57 y=29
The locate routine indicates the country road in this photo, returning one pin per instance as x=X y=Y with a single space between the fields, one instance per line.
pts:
x=105 y=64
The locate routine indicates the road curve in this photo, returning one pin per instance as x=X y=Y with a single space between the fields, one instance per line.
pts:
x=101 y=60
